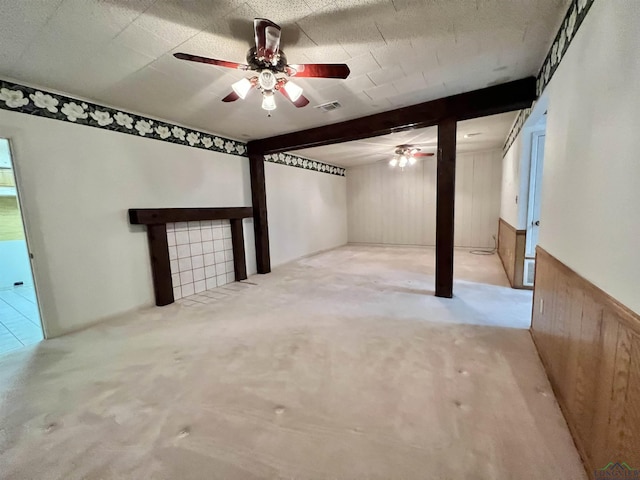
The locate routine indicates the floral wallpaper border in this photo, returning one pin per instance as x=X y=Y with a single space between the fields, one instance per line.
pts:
x=41 y=103
x=301 y=162
x=574 y=17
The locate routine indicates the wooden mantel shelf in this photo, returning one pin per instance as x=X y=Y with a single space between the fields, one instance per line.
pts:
x=150 y=216
x=156 y=220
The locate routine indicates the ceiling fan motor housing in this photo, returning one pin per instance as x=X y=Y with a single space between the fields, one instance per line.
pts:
x=256 y=63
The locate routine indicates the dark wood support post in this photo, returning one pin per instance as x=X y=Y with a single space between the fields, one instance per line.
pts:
x=160 y=265
x=259 y=199
x=237 y=239
x=445 y=205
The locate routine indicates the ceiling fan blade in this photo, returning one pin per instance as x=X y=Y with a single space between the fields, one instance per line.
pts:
x=211 y=61
x=302 y=101
x=267 y=39
x=232 y=97
x=423 y=154
x=319 y=70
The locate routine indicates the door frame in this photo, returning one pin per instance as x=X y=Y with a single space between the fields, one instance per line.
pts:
x=535 y=182
x=11 y=139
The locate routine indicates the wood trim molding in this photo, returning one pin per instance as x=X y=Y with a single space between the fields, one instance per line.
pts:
x=501 y=98
x=628 y=316
x=150 y=216
x=156 y=220
x=589 y=344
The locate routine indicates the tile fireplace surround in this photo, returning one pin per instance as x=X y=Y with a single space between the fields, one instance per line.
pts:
x=201 y=256
x=193 y=249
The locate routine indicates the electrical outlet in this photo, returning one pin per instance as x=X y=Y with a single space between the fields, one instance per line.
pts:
x=541 y=305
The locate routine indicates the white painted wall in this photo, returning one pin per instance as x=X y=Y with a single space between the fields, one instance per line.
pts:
x=391 y=206
x=591 y=189
x=76 y=184
x=307 y=212
x=515 y=169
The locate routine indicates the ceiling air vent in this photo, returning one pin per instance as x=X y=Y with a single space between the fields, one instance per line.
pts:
x=327 y=107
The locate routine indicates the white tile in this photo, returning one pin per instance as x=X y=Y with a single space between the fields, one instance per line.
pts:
x=187 y=290
x=175 y=279
x=226 y=232
x=210 y=271
x=211 y=283
x=180 y=226
x=195 y=236
x=196 y=248
x=231 y=277
x=194 y=226
x=205 y=223
x=171 y=238
x=209 y=259
x=198 y=274
x=184 y=264
x=216 y=223
x=171 y=227
x=184 y=251
x=200 y=286
x=217 y=234
x=219 y=256
x=177 y=293
x=174 y=266
x=173 y=253
x=207 y=234
x=197 y=261
x=207 y=247
x=228 y=267
x=218 y=245
x=182 y=237
x=186 y=277
x=228 y=255
x=221 y=280
x=227 y=243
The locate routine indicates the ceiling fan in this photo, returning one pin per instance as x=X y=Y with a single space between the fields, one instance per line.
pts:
x=272 y=70
x=407 y=155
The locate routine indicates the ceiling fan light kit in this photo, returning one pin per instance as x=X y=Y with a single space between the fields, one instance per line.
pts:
x=406 y=155
x=273 y=72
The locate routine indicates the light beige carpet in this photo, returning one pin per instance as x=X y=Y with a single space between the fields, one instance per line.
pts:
x=339 y=366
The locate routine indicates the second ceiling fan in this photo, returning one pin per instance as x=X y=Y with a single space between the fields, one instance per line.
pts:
x=407 y=155
x=271 y=68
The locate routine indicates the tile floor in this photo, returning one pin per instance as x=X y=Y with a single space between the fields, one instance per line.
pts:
x=216 y=294
x=19 y=318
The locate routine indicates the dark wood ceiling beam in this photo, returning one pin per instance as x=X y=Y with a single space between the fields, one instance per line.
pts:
x=501 y=98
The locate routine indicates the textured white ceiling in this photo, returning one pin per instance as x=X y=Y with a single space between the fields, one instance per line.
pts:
x=493 y=130
x=400 y=52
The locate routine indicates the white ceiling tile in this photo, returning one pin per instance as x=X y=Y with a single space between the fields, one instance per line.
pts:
x=281 y=11
x=358 y=84
x=362 y=64
x=383 y=91
x=455 y=45
x=20 y=22
x=411 y=83
x=143 y=41
x=386 y=75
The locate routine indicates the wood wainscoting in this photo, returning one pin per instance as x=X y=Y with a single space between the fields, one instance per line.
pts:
x=589 y=344
x=511 y=247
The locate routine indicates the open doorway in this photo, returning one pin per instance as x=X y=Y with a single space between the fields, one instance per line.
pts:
x=20 y=323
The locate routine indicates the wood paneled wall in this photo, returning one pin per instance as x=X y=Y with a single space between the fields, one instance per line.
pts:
x=590 y=346
x=511 y=250
x=392 y=206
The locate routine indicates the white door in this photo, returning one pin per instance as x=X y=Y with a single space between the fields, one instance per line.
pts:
x=535 y=187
